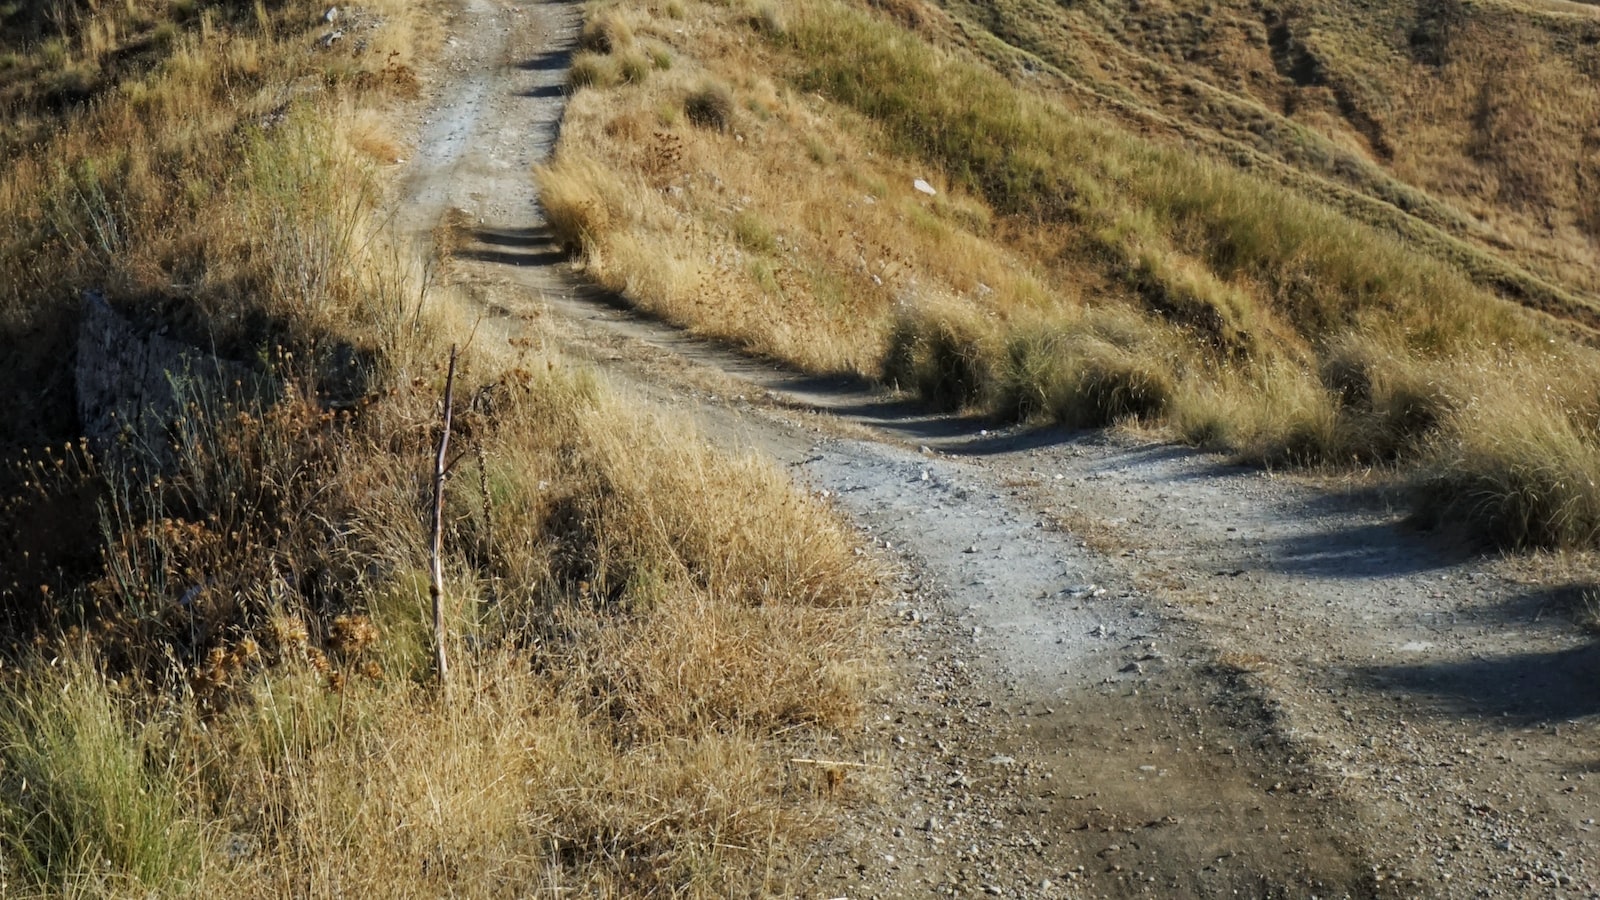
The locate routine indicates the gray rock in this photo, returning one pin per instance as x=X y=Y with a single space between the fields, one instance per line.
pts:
x=133 y=381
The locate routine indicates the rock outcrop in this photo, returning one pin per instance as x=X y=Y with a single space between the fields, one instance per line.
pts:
x=133 y=382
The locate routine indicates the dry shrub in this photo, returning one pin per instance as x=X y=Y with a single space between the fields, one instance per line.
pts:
x=638 y=626
x=707 y=664
x=1276 y=413
x=605 y=33
x=633 y=68
x=571 y=802
x=1527 y=481
x=578 y=197
x=768 y=19
x=941 y=352
x=593 y=70
x=371 y=135
x=1394 y=404
x=682 y=608
x=1515 y=464
x=646 y=509
x=1103 y=368
x=753 y=232
x=1100 y=368
x=91 y=802
x=710 y=107
x=1103 y=389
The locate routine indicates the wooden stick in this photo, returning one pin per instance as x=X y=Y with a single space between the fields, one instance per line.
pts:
x=835 y=762
x=436 y=583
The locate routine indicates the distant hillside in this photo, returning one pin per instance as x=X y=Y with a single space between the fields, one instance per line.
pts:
x=1477 y=118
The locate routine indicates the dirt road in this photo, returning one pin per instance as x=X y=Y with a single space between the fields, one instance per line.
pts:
x=1122 y=667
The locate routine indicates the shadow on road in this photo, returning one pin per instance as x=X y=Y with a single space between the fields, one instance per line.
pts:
x=544 y=92
x=1364 y=550
x=512 y=247
x=557 y=60
x=1521 y=688
x=1555 y=603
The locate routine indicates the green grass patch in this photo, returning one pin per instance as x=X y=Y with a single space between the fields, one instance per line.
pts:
x=88 y=803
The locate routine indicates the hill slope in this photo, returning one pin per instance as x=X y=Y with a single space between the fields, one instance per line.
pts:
x=1206 y=220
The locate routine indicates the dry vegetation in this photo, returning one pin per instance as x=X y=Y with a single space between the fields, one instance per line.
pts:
x=217 y=670
x=1105 y=243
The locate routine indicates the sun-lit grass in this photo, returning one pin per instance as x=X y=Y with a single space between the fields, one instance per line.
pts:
x=1399 y=117
x=1066 y=268
x=638 y=644
x=92 y=801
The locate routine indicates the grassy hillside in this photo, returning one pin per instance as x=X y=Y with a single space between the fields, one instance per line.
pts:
x=217 y=670
x=1468 y=118
x=1125 y=222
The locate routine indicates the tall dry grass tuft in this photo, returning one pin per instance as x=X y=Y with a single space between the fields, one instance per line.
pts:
x=940 y=352
x=1521 y=462
x=1105 y=368
x=710 y=106
x=606 y=32
x=93 y=802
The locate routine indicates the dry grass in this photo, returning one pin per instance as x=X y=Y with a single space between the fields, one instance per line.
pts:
x=1388 y=114
x=200 y=186
x=1067 y=268
x=725 y=230
x=217 y=677
x=630 y=651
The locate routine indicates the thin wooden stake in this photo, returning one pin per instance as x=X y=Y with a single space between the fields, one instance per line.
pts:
x=835 y=762
x=436 y=585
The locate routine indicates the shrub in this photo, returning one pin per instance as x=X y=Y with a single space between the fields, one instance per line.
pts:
x=577 y=196
x=1522 y=475
x=710 y=107
x=753 y=233
x=1078 y=379
x=633 y=68
x=1273 y=413
x=939 y=353
x=82 y=793
x=606 y=33
x=1107 y=388
x=592 y=70
x=767 y=19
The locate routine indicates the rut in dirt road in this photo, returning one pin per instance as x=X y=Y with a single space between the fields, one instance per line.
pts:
x=1125 y=668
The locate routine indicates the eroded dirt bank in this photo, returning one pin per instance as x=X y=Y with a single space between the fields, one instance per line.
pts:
x=1122 y=667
